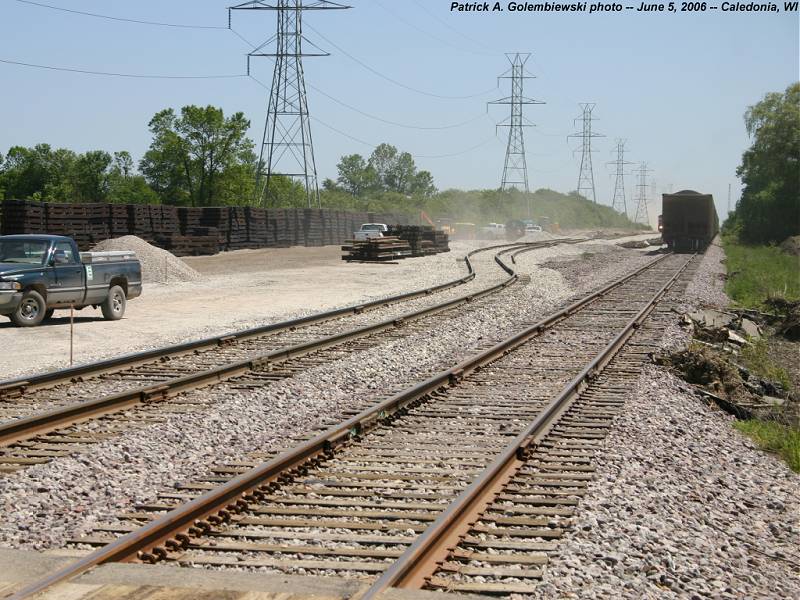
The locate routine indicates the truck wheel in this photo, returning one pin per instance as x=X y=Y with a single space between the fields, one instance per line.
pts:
x=30 y=311
x=114 y=306
x=49 y=314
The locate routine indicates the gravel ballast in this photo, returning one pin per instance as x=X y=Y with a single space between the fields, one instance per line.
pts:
x=48 y=504
x=683 y=506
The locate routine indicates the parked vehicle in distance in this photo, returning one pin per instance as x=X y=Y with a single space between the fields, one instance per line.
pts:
x=689 y=220
x=42 y=273
x=370 y=230
x=493 y=231
x=532 y=228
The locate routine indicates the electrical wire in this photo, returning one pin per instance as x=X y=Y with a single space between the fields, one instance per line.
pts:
x=394 y=81
x=121 y=19
x=427 y=33
x=371 y=116
x=373 y=146
x=113 y=74
x=459 y=32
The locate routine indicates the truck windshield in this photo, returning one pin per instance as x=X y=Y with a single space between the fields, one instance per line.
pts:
x=29 y=252
x=372 y=228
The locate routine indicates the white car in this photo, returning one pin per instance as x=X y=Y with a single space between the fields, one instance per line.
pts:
x=532 y=228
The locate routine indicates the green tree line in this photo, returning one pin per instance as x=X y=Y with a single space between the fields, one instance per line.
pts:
x=201 y=157
x=769 y=209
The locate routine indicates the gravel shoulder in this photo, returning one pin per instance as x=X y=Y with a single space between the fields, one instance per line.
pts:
x=683 y=506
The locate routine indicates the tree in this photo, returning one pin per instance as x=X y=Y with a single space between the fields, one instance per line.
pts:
x=38 y=172
x=769 y=210
x=355 y=175
x=88 y=177
x=201 y=158
x=387 y=170
x=422 y=185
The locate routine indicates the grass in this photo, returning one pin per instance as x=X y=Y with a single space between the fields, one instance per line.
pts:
x=756 y=273
x=774 y=437
x=755 y=357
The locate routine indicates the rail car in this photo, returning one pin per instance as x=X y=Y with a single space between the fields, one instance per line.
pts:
x=688 y=221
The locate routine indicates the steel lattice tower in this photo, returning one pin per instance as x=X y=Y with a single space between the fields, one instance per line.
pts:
x=515 y=172
x=642 y=213
x=586 y=177
x=618 y=201
x=287 y=147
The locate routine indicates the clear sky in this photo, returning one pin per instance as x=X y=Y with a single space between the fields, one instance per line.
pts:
x=675 y=86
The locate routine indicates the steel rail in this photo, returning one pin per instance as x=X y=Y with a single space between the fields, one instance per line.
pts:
x=423 y=557
x=22 y=429
x=29 y=383
x=172 y=531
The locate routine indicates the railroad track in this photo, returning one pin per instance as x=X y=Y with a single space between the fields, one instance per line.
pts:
x=149 y=391
x=458 y=483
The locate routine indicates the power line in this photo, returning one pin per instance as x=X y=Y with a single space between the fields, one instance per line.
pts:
x=287 y=148
x=124 y=20
x=515 y=171
x=394 y=81
x=375 y=117
x=459 y=32
x=618 y=201
x=114 y=74
x=372 y=145
x=586 y=176
x=642 y=213
x=401 y=18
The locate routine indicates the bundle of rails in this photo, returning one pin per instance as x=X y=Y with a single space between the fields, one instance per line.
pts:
x=311 y=467
x=17 y=436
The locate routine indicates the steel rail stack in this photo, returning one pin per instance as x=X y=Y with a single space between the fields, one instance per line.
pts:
x=373 y=495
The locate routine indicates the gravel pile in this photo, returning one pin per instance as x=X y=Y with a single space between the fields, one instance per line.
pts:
x=47 y=504
x=683 y=507
x=158 y=266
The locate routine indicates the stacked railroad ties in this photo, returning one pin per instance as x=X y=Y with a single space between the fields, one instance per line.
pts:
x=187 y=231
x=400 y=241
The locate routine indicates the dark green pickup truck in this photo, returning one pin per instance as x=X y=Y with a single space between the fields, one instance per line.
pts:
x=42 y=273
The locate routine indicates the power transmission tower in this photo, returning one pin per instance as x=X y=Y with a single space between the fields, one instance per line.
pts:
x=642 y=214
x=586 y=185
x=515 y=172
x=287 y=147
x=618 y=201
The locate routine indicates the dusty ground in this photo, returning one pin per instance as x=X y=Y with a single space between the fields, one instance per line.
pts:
x=239 y=289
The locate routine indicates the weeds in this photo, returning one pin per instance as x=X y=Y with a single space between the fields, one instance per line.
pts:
x=774 y=437
x=756 y=358
x=756 y=273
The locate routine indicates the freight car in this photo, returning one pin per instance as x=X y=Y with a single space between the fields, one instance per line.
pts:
x=689 y=220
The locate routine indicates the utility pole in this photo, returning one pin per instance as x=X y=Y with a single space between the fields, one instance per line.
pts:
x=287 y=148
x=515 y=172
x=618 y=201
x=586 y=186
x=642 y=214
x=729 y=198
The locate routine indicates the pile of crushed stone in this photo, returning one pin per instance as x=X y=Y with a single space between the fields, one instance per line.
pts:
x=158 y=266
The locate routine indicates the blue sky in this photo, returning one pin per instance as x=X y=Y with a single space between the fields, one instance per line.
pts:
x=675 y=86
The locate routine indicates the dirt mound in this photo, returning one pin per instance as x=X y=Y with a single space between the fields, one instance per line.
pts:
x=158 y=266
x=703 y=367
x=791 y=245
